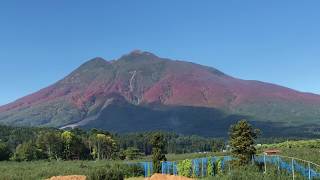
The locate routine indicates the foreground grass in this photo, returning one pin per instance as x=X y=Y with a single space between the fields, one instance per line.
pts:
x=254 y=173
x=178 y=157
x=44 y=169
x=135 y=178
x=303 y=149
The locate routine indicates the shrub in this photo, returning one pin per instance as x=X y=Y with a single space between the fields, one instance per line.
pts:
x=132 y=153
x=185 y=168
x=107 y=173
x=133 y=170
x=218 y=167
x=210 y=168
x=4 y=152
x=27 y=152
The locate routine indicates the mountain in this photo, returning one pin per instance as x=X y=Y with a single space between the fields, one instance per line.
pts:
x=141 y=92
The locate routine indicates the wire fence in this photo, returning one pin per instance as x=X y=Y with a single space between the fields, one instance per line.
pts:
x=294 y=166
x=200 y=167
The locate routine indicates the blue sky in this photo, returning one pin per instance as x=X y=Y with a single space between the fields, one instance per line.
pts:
x=275 y=41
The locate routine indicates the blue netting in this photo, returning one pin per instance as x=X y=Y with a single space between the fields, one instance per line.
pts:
x=147 y=168
x=290 y=167
x=200 y=166
x=195 y=163
x=169 y=168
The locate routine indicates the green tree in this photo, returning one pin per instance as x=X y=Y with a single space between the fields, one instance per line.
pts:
x=158 y=151
x=218 y=145
x=132 y=153
x=4 y=152
x=51 y=143
x=74 y=146
x=242 y=140
x=68 y=141
x=103 y=146
x=27 y=151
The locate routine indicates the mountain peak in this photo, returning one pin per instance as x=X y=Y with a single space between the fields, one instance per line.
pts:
x=137 y=52
x=139 y=55
x=97 y=61
x=141 y=91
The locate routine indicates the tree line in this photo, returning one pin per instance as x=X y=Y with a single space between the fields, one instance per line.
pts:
x=27 y=144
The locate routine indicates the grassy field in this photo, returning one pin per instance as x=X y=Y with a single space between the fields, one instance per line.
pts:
x=303 y=149
x=44 y=169
x=253 y=173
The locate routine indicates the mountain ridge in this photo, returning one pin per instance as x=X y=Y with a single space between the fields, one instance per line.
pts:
x=142 y=80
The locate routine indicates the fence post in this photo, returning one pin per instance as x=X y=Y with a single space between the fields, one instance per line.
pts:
x=162 y=168
x=173 y=168
x=309 y=170
x=292 y=162
x=278 y=164
x=202 y=167
x=146 y=167
x=213 y=163
x=265 y=164
x=252 y=159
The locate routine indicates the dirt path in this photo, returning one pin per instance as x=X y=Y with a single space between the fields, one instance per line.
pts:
x=154 y=177
x=167 y=177
x=68 y=178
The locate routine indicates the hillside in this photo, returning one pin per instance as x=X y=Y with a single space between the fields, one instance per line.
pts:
x=140 y=91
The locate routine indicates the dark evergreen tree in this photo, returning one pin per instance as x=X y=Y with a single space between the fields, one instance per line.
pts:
x=242 y=140
x=132 y=153
x=158 y=151
x=4 y=152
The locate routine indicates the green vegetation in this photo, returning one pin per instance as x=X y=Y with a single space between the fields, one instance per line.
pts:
x=158 y=151
x=4 y=152
x=242 y=141
x=36 y=170
x=184 y=168
x=304 y=149
x=27 y=144
x=132 y=153
x=27 y=152
x=115 y=172
x=39 y=153
x=251 y=173
x=33 y=170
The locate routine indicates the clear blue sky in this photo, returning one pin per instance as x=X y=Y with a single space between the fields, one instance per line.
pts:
x=275 y=41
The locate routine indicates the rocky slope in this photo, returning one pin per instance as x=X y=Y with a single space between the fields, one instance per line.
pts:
x=141 y=91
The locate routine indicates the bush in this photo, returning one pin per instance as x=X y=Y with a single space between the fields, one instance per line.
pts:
x=133 y=170
x=27 y=152
x=253 y=172
x=218 y=167
x=132 y=153
x=210 y=168
x=107 y=173
x=4 y=152
x=185 y=168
